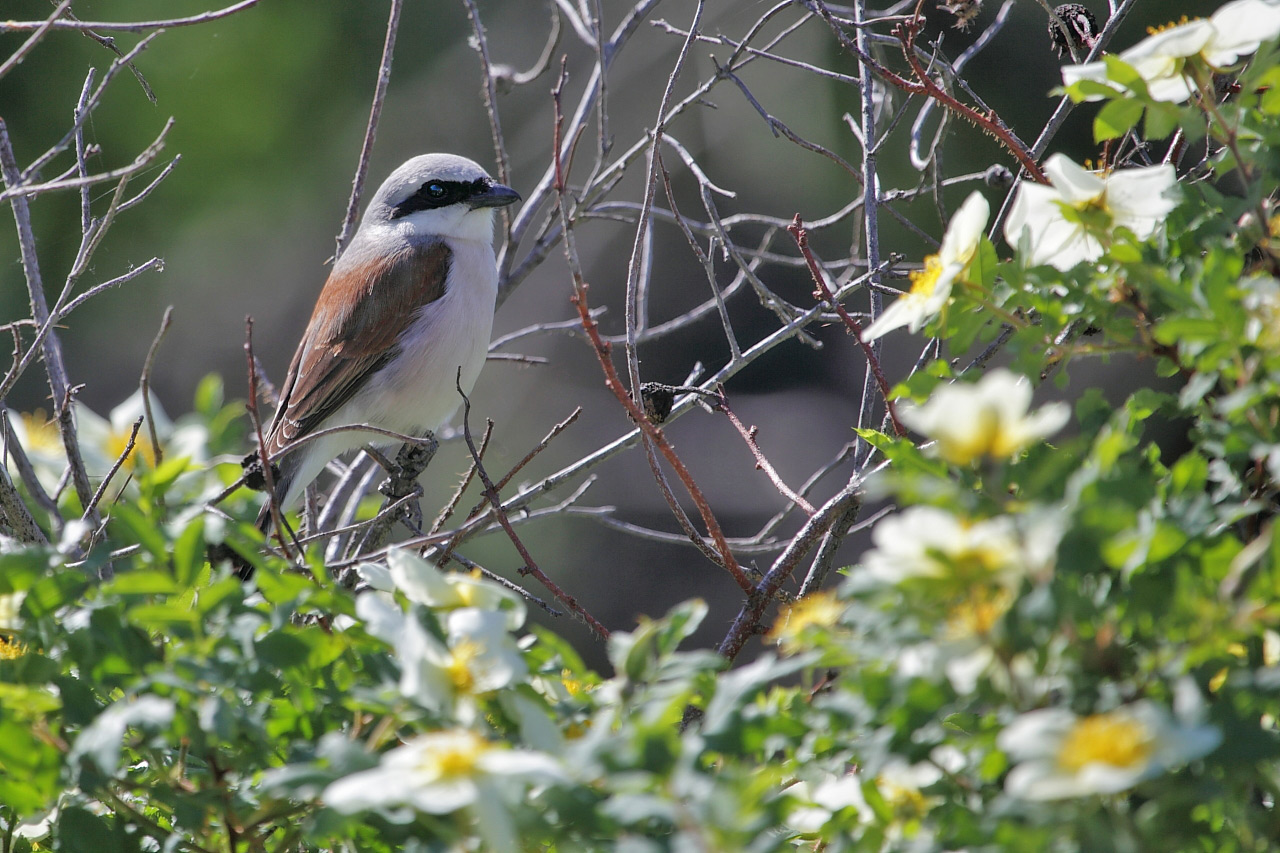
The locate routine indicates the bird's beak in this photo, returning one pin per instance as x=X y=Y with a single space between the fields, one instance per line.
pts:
x=496 y=196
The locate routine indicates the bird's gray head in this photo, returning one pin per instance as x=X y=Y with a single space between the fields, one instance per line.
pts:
x=439 y=194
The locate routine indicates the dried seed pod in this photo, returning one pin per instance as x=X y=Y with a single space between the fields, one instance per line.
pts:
x=254 y=479
x=964 y=10
x=1082 y=28
x=657 y=400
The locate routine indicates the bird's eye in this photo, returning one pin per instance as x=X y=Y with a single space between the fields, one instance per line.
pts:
x=436 y=190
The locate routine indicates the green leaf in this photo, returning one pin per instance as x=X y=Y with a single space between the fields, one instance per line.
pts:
x=21 y=568
x=1125 y=252
x=188 y=552
x=982 y=269
x=144 y=530
x=903 y=454
x=209 y=395
x=164 y=616
x=1116 y=118
x=148 y=582
x=1125 y=74
x=282 y=650
x=1160 y=120
x=1184 y=329
x=82 y=831
x=169 y=470
x=1082 y=90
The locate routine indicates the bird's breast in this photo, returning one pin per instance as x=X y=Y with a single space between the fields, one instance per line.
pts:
x=417 y=389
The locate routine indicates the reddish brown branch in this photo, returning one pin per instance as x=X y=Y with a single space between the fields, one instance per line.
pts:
x=762 y=463
x=906 y=33
x=447 y=512
x=989 y=122
x=447 y=553
x=655 y=434
x=652 y=432
x=796 y=229
x=495 y=500
x=264 y=460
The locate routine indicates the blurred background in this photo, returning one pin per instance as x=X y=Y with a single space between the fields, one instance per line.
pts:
x=270 y=106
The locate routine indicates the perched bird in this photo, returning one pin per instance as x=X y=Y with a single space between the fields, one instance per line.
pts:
x=408 y=304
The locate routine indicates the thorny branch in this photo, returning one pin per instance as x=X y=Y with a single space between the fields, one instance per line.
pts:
x=823 y=292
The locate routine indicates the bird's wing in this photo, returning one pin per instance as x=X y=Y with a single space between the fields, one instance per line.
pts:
x=354 y=330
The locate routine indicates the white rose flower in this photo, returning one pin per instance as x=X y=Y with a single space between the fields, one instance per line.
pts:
x=989 y=418
x=423 y=583
x=931 y=285
x=1237 y=29
x=1137 y=199
x=924 y=542
x=444 y=772
x=478 y=657
x=1060 y=755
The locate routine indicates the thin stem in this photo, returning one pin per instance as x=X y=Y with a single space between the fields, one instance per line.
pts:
x=370 y=131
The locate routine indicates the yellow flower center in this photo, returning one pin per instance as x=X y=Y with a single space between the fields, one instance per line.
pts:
x=1105 y=739
x=983 y=438
x=42 y=433
x=459 y=757
x=978 y=612
x=976 y=563
x=118 y=441
x=10 y=649
x=905 y=801
x=818 y=610
x=925 y=279
x=459 y=666
x=574 y=685
x=1179 y=23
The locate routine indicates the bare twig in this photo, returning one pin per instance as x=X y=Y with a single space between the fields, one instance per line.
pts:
x=749 y=618
x=14 y=515
x=141 y=162
x=489 y=91
x=495 y=500
x=111 y=472
x=447 y=512
x=145 y=383
x=370 y=131
x=648 y=429
x=511 y=585
x=402 y=490
x=131 y=26
x=268 y=475
x=762 y=462
x=29 y=45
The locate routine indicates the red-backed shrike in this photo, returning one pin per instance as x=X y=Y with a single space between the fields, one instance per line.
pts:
x=409 y=303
